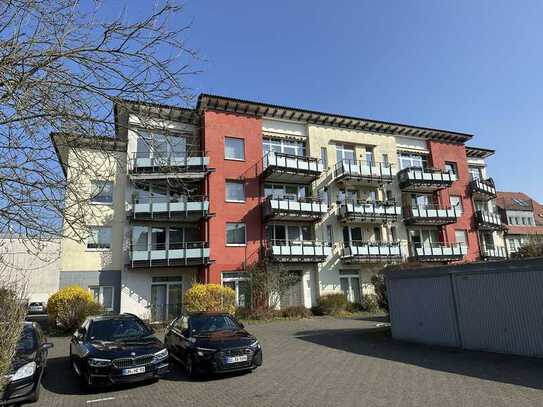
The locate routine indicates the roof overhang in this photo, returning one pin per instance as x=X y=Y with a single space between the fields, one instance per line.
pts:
x=478 y=152
x=258 y=109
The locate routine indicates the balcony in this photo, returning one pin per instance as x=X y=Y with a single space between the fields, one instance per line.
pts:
x=483 y=189
x=357 y=211
x=363 y=173
x=367 y=252
x=183 y=209
x=493 y=253
x=485 y=220
x=174 y=254
x=291 y=251
x=430 y=215
x=192 y=165
x=281 y=167
x=439 y=252
x=301 y=209
x=416 y=179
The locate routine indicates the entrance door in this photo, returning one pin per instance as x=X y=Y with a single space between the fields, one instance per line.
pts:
x=166 y=298
x=294 y=294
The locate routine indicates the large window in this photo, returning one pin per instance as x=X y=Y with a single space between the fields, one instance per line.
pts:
x=461 y=237
x=350 y=285
x=235 y=191
x=293 y=233
x=99 y=238
x=324 y=157
x=292 y=192
x=424 y=237
x=163 y=238
x=369 y=156
x=236 y=234
x=354 y=235
x=101 y=192
x=456 y=203
x=240 y=284
x=413 y=160
x=103 y=295
x=475 y=173
x=157 y=145
x=283 y=146
x=345 y=153
x=451 y=168
x=234 y=148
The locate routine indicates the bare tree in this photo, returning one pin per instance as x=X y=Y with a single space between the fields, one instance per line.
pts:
x=63 y=65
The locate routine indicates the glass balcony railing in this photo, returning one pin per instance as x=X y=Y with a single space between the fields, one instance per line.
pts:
x=194 y=163
x=483 y=189
x=298 y=251
x=363 y=172
x=360 y=251
x=184 y=208
x=291 y=168
x=372 y=211
x=430 y=215
x=486 y=220
x=493 y=253
x=418 y=179
x=172 y=254
x=287 y=208
x=439 y=252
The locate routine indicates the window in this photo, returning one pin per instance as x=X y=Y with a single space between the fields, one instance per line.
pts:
x=386 y=163
x=236 y=234
x=271 y=145
x=408 y=160
x=353 y=235
x=461 y=237
x=157 y=145
x=475 y=173
x=393 y=234
x=349 y=283
x=280 y=234
x=323 y=196
x=103 y=295
x=234 y=148
x=101 y=192
x=99 y=238
x=292 y=192
x=451 y=168
x=324 y=157
x=456 y=203
x=235 y=191
x=240 y=284
x=369 y=156
x=345 y=153
x=329 y=234
x=390 y=195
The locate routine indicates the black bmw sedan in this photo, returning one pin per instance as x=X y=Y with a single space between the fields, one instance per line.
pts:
x=27 y=366
x=212 y=343
x=114 y=349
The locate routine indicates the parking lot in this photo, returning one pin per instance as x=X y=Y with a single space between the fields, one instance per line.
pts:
x=324 y=362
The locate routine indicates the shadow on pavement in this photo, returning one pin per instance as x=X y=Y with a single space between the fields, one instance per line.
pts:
x=178 y=374
x=377 y=343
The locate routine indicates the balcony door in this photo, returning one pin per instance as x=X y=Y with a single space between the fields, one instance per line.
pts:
x=160 y=146
x=424 y=237
x=350 y=287
x=353 y=236
x=292 y=234
x=290 y=147
x=294 y=294
x=345 y=153
x=166 y=298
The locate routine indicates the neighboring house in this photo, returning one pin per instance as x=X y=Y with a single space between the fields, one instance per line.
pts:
x=328 y=197
x=523 y=218
x=33 y=264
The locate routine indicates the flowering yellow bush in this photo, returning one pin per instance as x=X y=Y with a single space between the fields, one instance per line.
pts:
x=210 y=298
x=69 y=307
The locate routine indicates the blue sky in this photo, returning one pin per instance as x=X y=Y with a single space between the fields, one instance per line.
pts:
x=472 y=66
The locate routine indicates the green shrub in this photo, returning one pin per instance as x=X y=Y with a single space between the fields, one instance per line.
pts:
x=69 y=306
x=370 y=303
x=261 y=313
x=331 y=304
x=297 y=311
x=354 y=307
x=210 y=298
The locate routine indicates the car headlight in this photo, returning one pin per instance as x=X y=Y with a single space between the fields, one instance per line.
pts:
x=255 y=345
x=204 y=351
x=161 y=355
x=24 y=371
x=96 y=362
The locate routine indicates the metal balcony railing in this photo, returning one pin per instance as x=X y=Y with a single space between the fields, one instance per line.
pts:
x=353 y=210
x=483 y=188
x=189 y=162
x=299 y=251
x=486 y=220
x=430 y=215
x=170 y=207
x=363 y=251
x=439 y=252
x=169 y=254
x=295 y=168
x=425 y=179
x=289 y=208
x=363 y=172
x=493 y=253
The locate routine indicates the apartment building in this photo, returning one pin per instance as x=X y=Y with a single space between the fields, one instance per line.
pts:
x=522 y=217
x=201 y=194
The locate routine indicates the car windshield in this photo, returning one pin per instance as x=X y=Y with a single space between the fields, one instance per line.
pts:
x=212 y=323
x=113 y=329
x=27 y=341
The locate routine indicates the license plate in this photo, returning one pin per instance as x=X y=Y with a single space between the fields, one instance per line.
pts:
x=236 y=359
x=134 y=370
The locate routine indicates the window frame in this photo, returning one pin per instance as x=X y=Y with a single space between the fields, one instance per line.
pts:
x=454 y=167
x=238 y=139
x=98 y=248
x=465 y=232
x=92 y=189
x=460 y=206
x=245 y=234
x=101 y=295
x=236 y=182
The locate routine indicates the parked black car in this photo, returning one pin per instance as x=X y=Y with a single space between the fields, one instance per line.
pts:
x=212 y=343
x=112 y=349
x=27 y=367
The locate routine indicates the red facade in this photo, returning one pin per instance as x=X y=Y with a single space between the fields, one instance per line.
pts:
x=217 y=126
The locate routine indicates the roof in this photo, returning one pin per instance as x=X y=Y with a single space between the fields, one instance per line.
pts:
x=524 y=230
x=517 y=201
x=479 y=152
x=260 y=109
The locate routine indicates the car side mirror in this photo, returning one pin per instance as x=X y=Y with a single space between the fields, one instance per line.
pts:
x=47 y=345
x=80 y=334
